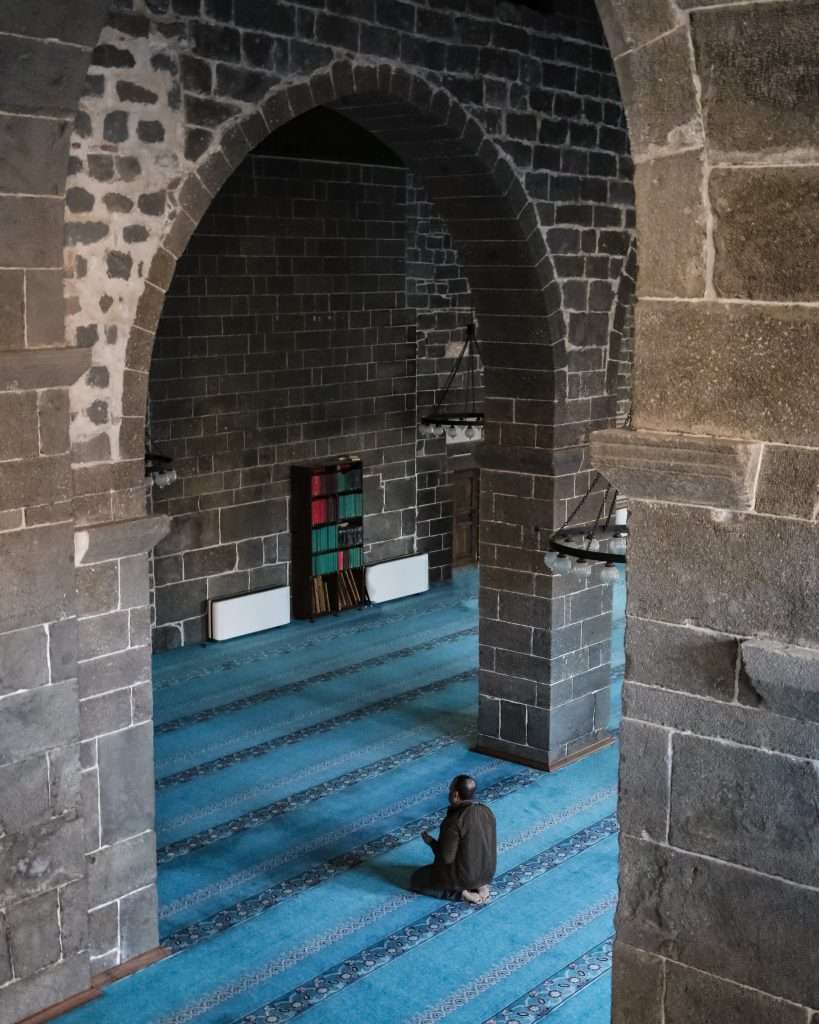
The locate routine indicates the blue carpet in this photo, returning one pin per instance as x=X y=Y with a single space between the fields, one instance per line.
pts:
x=295 y=772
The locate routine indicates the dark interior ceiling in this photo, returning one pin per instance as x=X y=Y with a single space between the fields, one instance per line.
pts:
x=323 y=134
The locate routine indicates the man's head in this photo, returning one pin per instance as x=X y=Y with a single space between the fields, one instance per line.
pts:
x=461 y=788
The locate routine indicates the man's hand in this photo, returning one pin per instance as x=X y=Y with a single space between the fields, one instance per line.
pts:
x=427 y=838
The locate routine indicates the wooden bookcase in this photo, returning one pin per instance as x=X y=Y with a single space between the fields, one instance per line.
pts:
x=327 y=529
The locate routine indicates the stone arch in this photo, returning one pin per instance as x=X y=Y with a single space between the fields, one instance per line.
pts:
x=510 y=269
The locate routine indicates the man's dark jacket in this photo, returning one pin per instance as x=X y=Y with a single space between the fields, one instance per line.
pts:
x=466 y=849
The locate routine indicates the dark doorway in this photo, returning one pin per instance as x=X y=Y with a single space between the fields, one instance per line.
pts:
x=465 y=516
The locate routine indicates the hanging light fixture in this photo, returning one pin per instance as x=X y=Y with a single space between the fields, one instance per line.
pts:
x=454 y=422
x=578 y=549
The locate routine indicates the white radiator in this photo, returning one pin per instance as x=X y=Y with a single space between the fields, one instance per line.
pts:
x=400 y=578
x=249 y=613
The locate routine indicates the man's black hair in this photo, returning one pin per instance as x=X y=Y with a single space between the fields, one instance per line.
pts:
x=464 y=786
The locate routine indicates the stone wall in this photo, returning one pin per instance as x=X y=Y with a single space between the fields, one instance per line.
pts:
x=512 y=121
x=285 y=337
x=719 y=886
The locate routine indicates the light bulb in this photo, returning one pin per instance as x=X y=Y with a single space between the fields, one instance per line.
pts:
x=470 y=432
x=564 y=565
x=550 y=560
x=453 y=431
x=610 y=573
x=618 y=544
x=442 y=431
x=583 y=569
x=593 y=544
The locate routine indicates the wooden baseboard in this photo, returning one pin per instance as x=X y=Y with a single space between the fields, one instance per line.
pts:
x=129 y=967
x=539 y=765
x=98 y=983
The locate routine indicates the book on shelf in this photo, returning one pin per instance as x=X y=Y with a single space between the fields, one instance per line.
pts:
x=326 y=514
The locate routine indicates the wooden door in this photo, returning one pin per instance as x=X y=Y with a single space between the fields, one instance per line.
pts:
x=465 y=516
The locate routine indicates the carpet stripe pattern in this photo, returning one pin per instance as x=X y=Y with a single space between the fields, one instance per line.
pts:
x=295 y=772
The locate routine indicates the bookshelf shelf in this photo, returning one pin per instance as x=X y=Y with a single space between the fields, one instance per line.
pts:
x=327 y=528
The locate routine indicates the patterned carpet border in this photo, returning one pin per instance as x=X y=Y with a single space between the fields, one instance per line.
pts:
x=169 y=678
x=556 y=990
x=506 y=968
x=264 y=788
x=258 y=750
x=258 y=903
x=262 y=815
x=388 y=949
x=287 y=689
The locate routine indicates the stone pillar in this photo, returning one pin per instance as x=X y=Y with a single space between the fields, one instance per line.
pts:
x=719 y=787
x=545 y=674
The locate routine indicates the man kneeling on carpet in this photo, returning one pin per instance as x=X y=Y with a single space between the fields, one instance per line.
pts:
x=465 y=850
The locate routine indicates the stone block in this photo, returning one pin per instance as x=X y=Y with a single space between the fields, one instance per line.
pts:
x=41 y=481
x=682 y=658
x=121 y=868
x=657 y=84
x=766 y=220
x=139 y=923
x=23 y=794
x=103 y=634
x=240 y=522
x=755 y=104
x=631 y=23
x=97 y=588
x=513 y=722
x=121 y=539
x=727 y=369
x=36 y=152
x=41 y=858
x=53 y=410
x=638 y=982
x=726 y=550
x=187 y=532
x=745 y=806
x=134 y=590
x=694 y=997
x=210 y=561
x=30 y=228
x=62 y=649
x=18 y=434
x=106 y=713
x=383 y=526
x=126 y=783
x=89 y=783
x=47 y=988
x=42 y=19
x=751 y=727
x=34 y=933
x=23 y=660
x=64 y=780
x=37 y=720
x=74 y=917
x=181 y=601
x=782 y=679
x=48 y=77
x=745 y=927
x=645 y=756
x=38 y=572
x=671 y=235
x=12 y=307
x=45 y=309
x=788 y=482
x=399 y=494
x=103 y=929
x=5 y=962
x=42 y=368
x=567 y=722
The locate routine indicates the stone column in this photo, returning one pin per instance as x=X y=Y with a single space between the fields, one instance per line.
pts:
x=719 y=787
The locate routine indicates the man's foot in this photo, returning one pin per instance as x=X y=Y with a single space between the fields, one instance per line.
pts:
x=474 y=895
x=483 y=892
